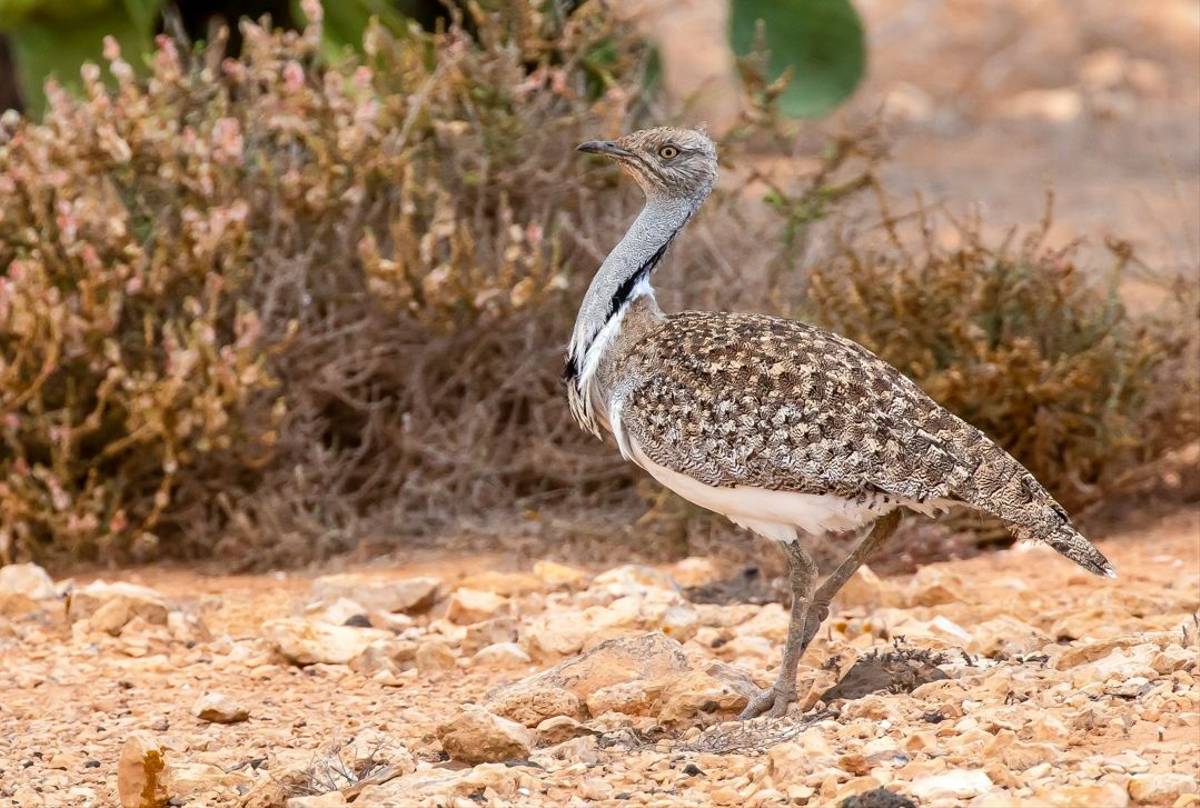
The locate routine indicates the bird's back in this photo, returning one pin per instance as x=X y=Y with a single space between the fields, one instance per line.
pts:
x=764 y=402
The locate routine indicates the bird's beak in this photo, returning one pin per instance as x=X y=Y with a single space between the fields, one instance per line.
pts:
x=608 y=148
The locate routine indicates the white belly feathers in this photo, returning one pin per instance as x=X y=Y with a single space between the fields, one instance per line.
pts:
x=772 y=514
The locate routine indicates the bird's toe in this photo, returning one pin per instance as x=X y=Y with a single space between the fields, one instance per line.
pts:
x=780 y=707
x=770 y=702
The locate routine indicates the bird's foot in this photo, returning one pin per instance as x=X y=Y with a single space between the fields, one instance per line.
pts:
x=772 y=701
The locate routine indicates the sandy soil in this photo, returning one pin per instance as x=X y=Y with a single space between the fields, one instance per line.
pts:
x=1059 y=689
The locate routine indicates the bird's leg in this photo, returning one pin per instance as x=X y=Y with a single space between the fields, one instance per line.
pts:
x=809 y=611
x=802 y=573
x=819 y=610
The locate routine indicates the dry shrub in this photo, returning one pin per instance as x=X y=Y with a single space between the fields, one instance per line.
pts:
x=127 y=353
x=1022 y=341
x=269 y=306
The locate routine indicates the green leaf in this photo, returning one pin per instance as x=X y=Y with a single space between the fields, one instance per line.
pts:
x=14 y=13
x=346 y=20
x=45 y=48
x=144 y=14
x=820 y=40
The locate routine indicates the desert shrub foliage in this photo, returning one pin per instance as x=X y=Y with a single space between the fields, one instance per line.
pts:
x=267 y=293
x=265 y=307
x=1022 y=340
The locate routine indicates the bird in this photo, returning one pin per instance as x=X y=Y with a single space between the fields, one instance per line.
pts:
x=782 y=427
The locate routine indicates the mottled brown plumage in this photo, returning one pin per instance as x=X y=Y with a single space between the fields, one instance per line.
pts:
x=781 y=426
x=751 y=400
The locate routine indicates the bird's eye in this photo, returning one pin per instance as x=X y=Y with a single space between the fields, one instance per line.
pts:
x=668 y=152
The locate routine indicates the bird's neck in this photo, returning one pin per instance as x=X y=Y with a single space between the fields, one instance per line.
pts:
x=623 y=278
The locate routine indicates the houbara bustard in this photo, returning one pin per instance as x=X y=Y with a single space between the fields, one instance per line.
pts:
x=776 y=424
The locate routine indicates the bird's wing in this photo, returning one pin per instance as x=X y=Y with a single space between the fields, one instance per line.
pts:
x=733 y=399
x=750 y=400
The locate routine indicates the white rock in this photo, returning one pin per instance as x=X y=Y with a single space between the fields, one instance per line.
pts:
x=638 y=575
x=381 y=655
x=934 y=586
x=530 y=702
x=939 y=632
x=305 y=642
x=332 y=799
x=593 y=789
x=1173 y=658
x=949 y=628
x=1057 y=105
x=678 y=622
x=467 y=606
x=638 y=697
x=558 y=633
x=728 y=616
x=446 y=631
x=960 y=783
x=700 y=697
x=771 y=622
x=507 y=584
x=385 y=594
x=559 y=575
x=445 y=788
x=16 y=605
x=27 y=579
x=695 y=570
x=394 y=622
x=867 y=590
x=433 y=656
x=1083 y=652
x=502 y=655
x=371 y=745
x=488 y=632
x=187 y=627
x=633 y=579
x=562 y=689
x=139 y=772
x=907 y=102
x=219 y=709
x=1161 y=787
x=148 y=776
x=794 y=761
x=1122 y=664
x=111 y=616
x=1104 y=69
x=122 y=601
x=1090 y=795
x=477 y=736
x=559 y=728
x=750 y=645
x=337 y=612
x=185 y=779
x=83 y=796
x=1005 y=635
x=26 y=795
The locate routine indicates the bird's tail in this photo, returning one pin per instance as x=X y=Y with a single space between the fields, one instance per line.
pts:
x=1068 y=541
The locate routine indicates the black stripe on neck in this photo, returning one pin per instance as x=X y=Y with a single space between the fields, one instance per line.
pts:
x=621 y=296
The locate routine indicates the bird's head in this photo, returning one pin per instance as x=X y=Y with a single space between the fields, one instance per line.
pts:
x=668 y=163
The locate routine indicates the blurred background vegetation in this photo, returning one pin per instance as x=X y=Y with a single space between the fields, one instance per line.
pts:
x=818 y=44
x=273 y=292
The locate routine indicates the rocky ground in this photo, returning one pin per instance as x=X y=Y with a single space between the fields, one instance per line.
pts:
x=1008 y=680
